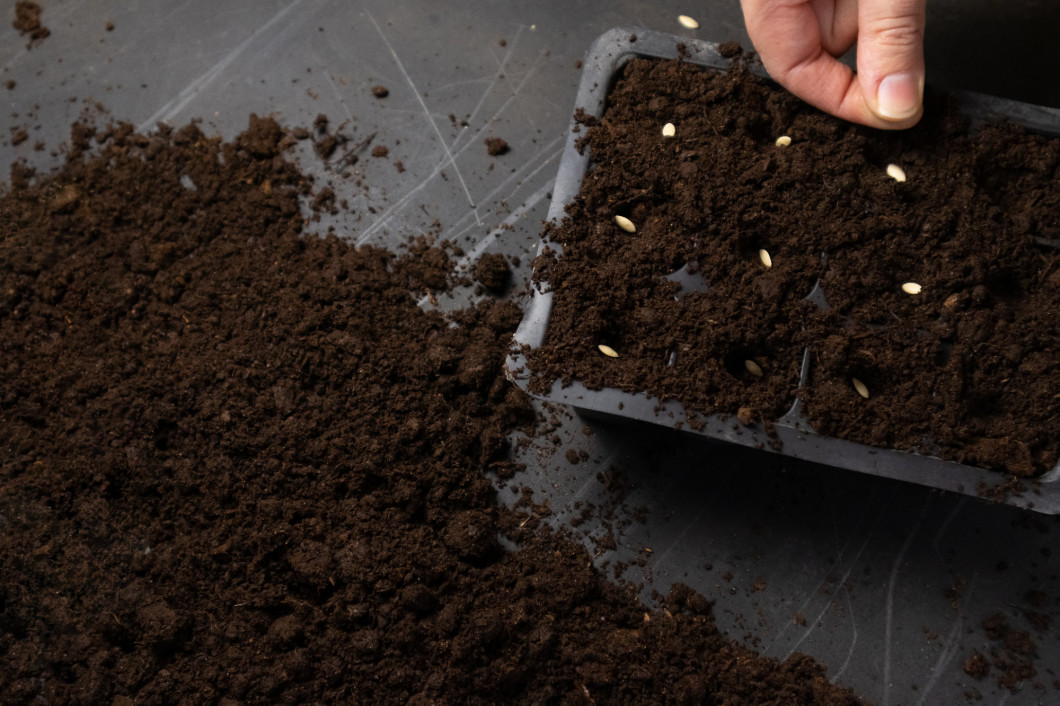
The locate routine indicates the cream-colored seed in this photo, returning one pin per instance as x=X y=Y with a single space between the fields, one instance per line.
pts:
x=763 y=255
x=911 y=288
x=608 y=351
x=753 y=368
x=783 y=141
x=687 y=22
x=860 y=387
x=895 y=172
x=625 y=224
x=669 y=130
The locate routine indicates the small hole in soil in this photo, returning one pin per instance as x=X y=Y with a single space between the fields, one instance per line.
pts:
x=1004 y=284
x=736 y=363
x=942 y=354
x=865 y=375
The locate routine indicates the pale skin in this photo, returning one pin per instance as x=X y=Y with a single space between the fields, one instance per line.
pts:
x=799 y=40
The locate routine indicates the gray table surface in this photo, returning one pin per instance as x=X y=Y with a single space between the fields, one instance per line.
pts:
x=869 y=563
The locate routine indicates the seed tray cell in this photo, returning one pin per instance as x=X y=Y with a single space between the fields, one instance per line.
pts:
x=792 y=434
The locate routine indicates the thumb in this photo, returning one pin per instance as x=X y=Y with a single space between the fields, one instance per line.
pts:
x=891 y=58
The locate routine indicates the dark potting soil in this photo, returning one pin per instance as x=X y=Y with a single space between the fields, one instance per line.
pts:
x=496 y=146
x=492 y=272
x=239 y=462
x=966 y=369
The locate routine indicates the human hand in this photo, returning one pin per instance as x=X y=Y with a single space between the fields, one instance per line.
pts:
x=799 y=40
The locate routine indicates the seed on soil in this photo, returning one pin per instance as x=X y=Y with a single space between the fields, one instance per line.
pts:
x=860 y=387
x=608 y=351
x=763 y=255
x=687 y=22
x=783 y=141
x=895 y=172
x=911 y=288
x=625 y=224
x=669 y=130
x=753 y=368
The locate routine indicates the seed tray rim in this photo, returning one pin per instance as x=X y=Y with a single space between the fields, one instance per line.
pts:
x=606 y=56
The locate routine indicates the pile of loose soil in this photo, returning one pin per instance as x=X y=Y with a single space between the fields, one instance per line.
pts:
x=965 y=369
x=238 y=462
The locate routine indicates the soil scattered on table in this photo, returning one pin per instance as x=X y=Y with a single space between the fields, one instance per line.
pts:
x=380 y=91
x=492 y=272
x=496 y=146
x=239 y=462
x=27 y=21
x=703 y=288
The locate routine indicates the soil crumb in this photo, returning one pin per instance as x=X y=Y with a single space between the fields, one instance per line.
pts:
x=27 y=21
x=380 y=91
x=496 y=146
x=492 y=272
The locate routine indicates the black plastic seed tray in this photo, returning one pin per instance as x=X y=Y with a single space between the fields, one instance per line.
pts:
x=606 y=57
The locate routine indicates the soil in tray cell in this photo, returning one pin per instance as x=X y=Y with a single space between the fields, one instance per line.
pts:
x=943 y=294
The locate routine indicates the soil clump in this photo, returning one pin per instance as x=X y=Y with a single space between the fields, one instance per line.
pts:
x=496 y=146
x=27 y=21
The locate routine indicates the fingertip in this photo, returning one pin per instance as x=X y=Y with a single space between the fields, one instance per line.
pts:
x=900 y=96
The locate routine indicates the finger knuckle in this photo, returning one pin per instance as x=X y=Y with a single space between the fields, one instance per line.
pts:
x=901 y=32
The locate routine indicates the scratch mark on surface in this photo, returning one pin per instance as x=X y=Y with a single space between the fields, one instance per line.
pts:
x=846 y=575
x=451 y=235
x=853 y=640
x=417 y=113
x=386 y=215
x=496 y=77
x=945 y=526
x=504 y=106
x=889 y=619
x=342 y=102
x=952 y=643
x=426 y=112
x=481 y=246
x=171 y=108
x=515 y=215
x=840 y=554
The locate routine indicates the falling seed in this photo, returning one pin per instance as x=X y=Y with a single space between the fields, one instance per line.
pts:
x=608 y=351
x=860 y=387
x=687 y=22
x=783 y=141
x=895 y=172
x=911 y=288
x=753 y=368
x=625 y=224
x=763 y=255
x=669 y=130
